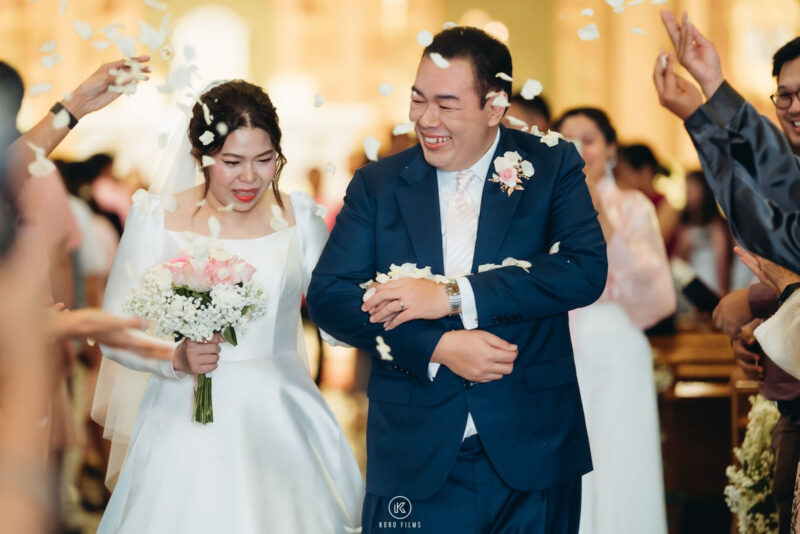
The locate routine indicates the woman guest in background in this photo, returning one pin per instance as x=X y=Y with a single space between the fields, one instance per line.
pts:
x=637 y=168
x=274 y=459
x=625 y=493
x=703 y=239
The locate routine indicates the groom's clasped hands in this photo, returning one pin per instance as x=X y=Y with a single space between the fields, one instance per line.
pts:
x=475 y=355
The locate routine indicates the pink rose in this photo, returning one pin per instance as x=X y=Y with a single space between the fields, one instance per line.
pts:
x=242 y=271
x=177 y=266
x=220 y=272
x=197 y=277
x=508 y=176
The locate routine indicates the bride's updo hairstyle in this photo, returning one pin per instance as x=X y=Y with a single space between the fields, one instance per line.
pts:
x=232 y=105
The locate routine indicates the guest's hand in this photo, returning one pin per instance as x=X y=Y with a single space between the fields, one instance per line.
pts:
x=770 y=273
x=93 y=94
x=695 y=52
x=400 y=301
x=675 y=93
x=733 y=312
x=475 y=355
x=197 y=358
x=742 y=345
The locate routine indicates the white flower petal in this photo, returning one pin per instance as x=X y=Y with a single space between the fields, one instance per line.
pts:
x=527 y=168
x=404 y=128
x=156 y=4
x=83 y=29
x=424 y=38
x=128 y=89
x=589 y=32
x=200 y=203
x=504 y=76
x=371 y=147
x=448 y=25
x=386 y=89
x=167 y=52
x=39 y=88
x=501 y=101
x=320 y=210
x=638 y=31
x=531 y=89
x=226 y=207
x=170 y=203
x=551 y=138
x=61 y=120
x=63 y=7
x=207 y=116
x=368 y=294
x=615 y=3
x=555 y=248
x=490 y=94
x=207 y=161
x=658 y=2
x=189 y=53
x=619 y=9
x=439 y=61
x=50 y=61
x=214 y=227
x=222 y=129
x=41 y=166
x=589 y=12
x=329 y=168
x=100 y=45
x=663 y=61
x=383 y=349
x=513 y=121
x=125 y=43
x=318 y=100
x=635 y=2
x=49 y=46
x=206 y=137
x=152 y=37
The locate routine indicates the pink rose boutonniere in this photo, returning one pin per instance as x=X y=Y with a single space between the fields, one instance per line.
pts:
x=510 y=170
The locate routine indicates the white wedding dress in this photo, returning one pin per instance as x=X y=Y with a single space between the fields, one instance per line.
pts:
x=274 y=459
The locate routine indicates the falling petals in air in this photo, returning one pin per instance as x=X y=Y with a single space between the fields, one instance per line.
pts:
x=504 y=76
x=490 y=94
x=83 y=29
x=658 y=2
x=156 y=4
x=49 y=46
x=638 y=31
x=207 y=161
x=125 y=43
x=41 y=166
x=589 y=32
x=329 y=168
x=126 y=80
x=551 y=138
x=167 y=52
x=189 y=53
x=383 y=349
x=206 y=137
x=170 y=203
x=277 y=222
x=39 y=88
x=200 y=203
x=63 y=7
x=318 y=100
x=151 y=37
x=513 y=121
x=616 y=3
x=226 y=207
x=222 y=128
x=371 y=147
x=61 y=119
x=207 y=116
x=663 y=61
x=100 y=45
x=320 y=210
x=404 y=128
x=439 y=61
x=635 y=2
x=501 y=101
x=214 y=227
x=554 y=249
x=448 y=25
x=531 y=89
x=424 y=38
x=589 y=12
x=49 y=61
x=386 y=89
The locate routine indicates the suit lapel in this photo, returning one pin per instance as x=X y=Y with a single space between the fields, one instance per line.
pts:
x=497 y=208
x=419 y=207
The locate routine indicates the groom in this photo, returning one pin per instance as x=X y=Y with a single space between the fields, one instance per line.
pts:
x=475 y=420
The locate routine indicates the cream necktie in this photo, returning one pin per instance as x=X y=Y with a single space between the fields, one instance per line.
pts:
x=462 y=227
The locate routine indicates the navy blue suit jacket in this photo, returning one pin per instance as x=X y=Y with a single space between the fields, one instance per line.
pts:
x=531 y=421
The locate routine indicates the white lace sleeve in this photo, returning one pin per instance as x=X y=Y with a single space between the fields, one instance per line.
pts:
x=308 y=216
x=139 y=248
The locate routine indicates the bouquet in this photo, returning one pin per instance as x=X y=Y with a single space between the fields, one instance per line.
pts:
x=749 y=492
x=195 y=296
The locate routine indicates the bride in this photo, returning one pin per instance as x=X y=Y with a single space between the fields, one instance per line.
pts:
x=274 y=459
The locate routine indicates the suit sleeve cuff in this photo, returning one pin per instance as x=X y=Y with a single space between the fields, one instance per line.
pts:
x=469 y=309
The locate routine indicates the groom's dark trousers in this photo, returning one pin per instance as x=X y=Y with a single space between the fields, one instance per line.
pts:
x=531 y=432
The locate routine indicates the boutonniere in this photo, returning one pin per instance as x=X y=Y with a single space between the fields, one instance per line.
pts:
x=510 y=169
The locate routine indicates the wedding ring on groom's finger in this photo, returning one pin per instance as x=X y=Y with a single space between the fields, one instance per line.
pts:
x=402 y=306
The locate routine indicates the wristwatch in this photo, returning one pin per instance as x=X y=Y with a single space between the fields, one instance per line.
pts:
x=787 y=292
x=57 y=107
x=451 y=288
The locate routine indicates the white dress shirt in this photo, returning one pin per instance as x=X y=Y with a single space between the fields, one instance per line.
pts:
x=447 y=188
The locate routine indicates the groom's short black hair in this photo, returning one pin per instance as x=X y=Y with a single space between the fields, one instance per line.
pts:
x=487 y=55
x=788 y=52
